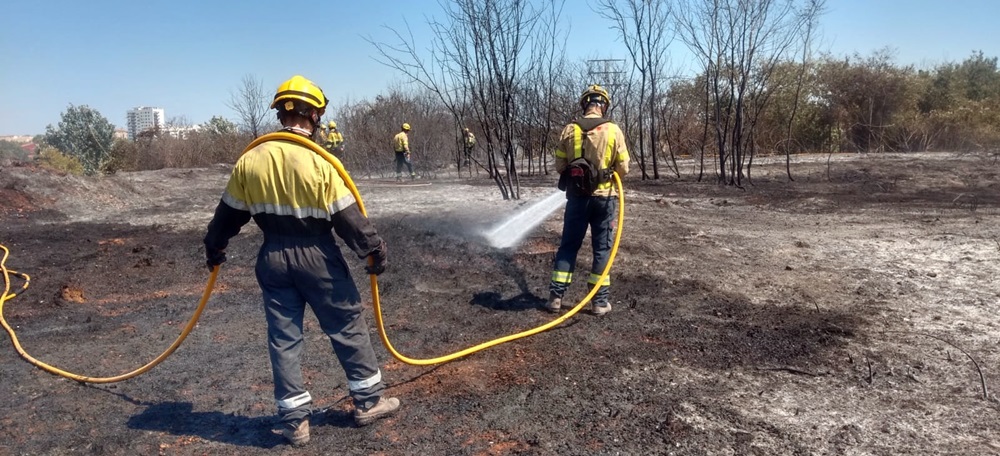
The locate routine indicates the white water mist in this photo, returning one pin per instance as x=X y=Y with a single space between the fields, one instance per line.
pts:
x=511 y=231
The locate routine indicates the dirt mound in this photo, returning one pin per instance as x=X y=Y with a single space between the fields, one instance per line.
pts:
x=15 y=196
x=14 y=202
x=834 y=314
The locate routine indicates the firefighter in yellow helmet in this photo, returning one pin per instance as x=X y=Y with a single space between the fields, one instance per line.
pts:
x=334 y=140
x=299 y=200
x=401 y=147
x=589 y=150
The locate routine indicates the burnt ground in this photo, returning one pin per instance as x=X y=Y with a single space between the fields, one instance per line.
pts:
x=843 y=313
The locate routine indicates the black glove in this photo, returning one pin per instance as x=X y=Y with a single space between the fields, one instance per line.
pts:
x=378 y=261
x=214 y=257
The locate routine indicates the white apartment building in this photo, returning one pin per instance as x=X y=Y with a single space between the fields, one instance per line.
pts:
x=181 y=132
x=143 y=118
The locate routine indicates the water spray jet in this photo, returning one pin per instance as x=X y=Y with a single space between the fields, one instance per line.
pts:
x=508 y=233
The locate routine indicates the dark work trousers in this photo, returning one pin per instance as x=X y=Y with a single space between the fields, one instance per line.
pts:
x=600 y=214
x=400 y=161
x=293 y=272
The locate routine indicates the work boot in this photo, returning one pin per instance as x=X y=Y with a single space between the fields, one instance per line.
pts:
x=554 y=304
x=383 y=408
x=296 y=432
x=601 y=308
x=399 y=177
x=413 y=176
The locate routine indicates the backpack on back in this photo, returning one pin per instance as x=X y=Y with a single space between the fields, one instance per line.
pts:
x=579 y=178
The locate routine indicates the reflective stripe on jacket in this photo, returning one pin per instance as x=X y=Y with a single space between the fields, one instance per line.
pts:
x=289 y=190
x=285 y=178
x=335 y=138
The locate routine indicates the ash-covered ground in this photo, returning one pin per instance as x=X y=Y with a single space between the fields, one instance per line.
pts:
x=850 y=311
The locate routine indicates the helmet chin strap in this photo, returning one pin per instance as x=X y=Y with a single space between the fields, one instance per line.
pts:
x=316 y=118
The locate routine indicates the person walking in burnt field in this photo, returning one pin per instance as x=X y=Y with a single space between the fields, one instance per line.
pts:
x=401 y=147
x=333 y=140
x=298 y=200
x=468 y=143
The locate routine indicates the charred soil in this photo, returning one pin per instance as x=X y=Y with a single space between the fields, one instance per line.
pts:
x=850 y=311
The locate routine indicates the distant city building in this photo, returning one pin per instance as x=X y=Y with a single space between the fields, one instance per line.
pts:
x=120 y=133
x=144 y=118
x=20 y=139
x=181 y=132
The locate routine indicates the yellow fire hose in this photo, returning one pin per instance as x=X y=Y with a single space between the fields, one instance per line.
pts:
x=374 y=288
x=83 y=378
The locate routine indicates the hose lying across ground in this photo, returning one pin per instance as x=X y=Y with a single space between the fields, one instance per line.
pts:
x=374 y=289
x=83 y=378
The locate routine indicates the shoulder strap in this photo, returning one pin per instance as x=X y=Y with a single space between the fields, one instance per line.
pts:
x=577 y=142
x=584 y=124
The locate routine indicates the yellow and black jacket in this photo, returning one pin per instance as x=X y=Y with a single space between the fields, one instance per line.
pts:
x=334 y=138
x=599 y=145
x=289 y=190
x=401 y=142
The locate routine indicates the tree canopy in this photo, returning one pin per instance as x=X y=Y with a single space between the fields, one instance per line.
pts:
x=83 y=133
x=218 y=125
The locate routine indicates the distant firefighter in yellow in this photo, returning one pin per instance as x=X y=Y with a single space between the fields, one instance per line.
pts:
x=469 y=143
x=401 y=146
x=334 y=139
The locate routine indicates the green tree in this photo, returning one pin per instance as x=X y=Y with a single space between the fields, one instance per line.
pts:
x=980 y=76
x=866 y=96
x=83 y=133
x=219 y=126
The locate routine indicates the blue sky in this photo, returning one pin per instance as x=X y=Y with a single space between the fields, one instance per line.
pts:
x=187 y=56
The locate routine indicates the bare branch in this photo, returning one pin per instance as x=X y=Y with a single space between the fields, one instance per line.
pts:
x=251 y=102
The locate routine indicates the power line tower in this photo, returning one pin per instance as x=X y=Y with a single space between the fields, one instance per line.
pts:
x=606 y=72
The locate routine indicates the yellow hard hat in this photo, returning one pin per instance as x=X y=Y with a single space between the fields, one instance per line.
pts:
x=333 y=124
x=299 y=88
x=406 y=127
x=595 y=94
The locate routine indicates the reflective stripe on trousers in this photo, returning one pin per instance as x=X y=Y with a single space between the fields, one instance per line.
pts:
x=360 y=385
x=600 y=214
